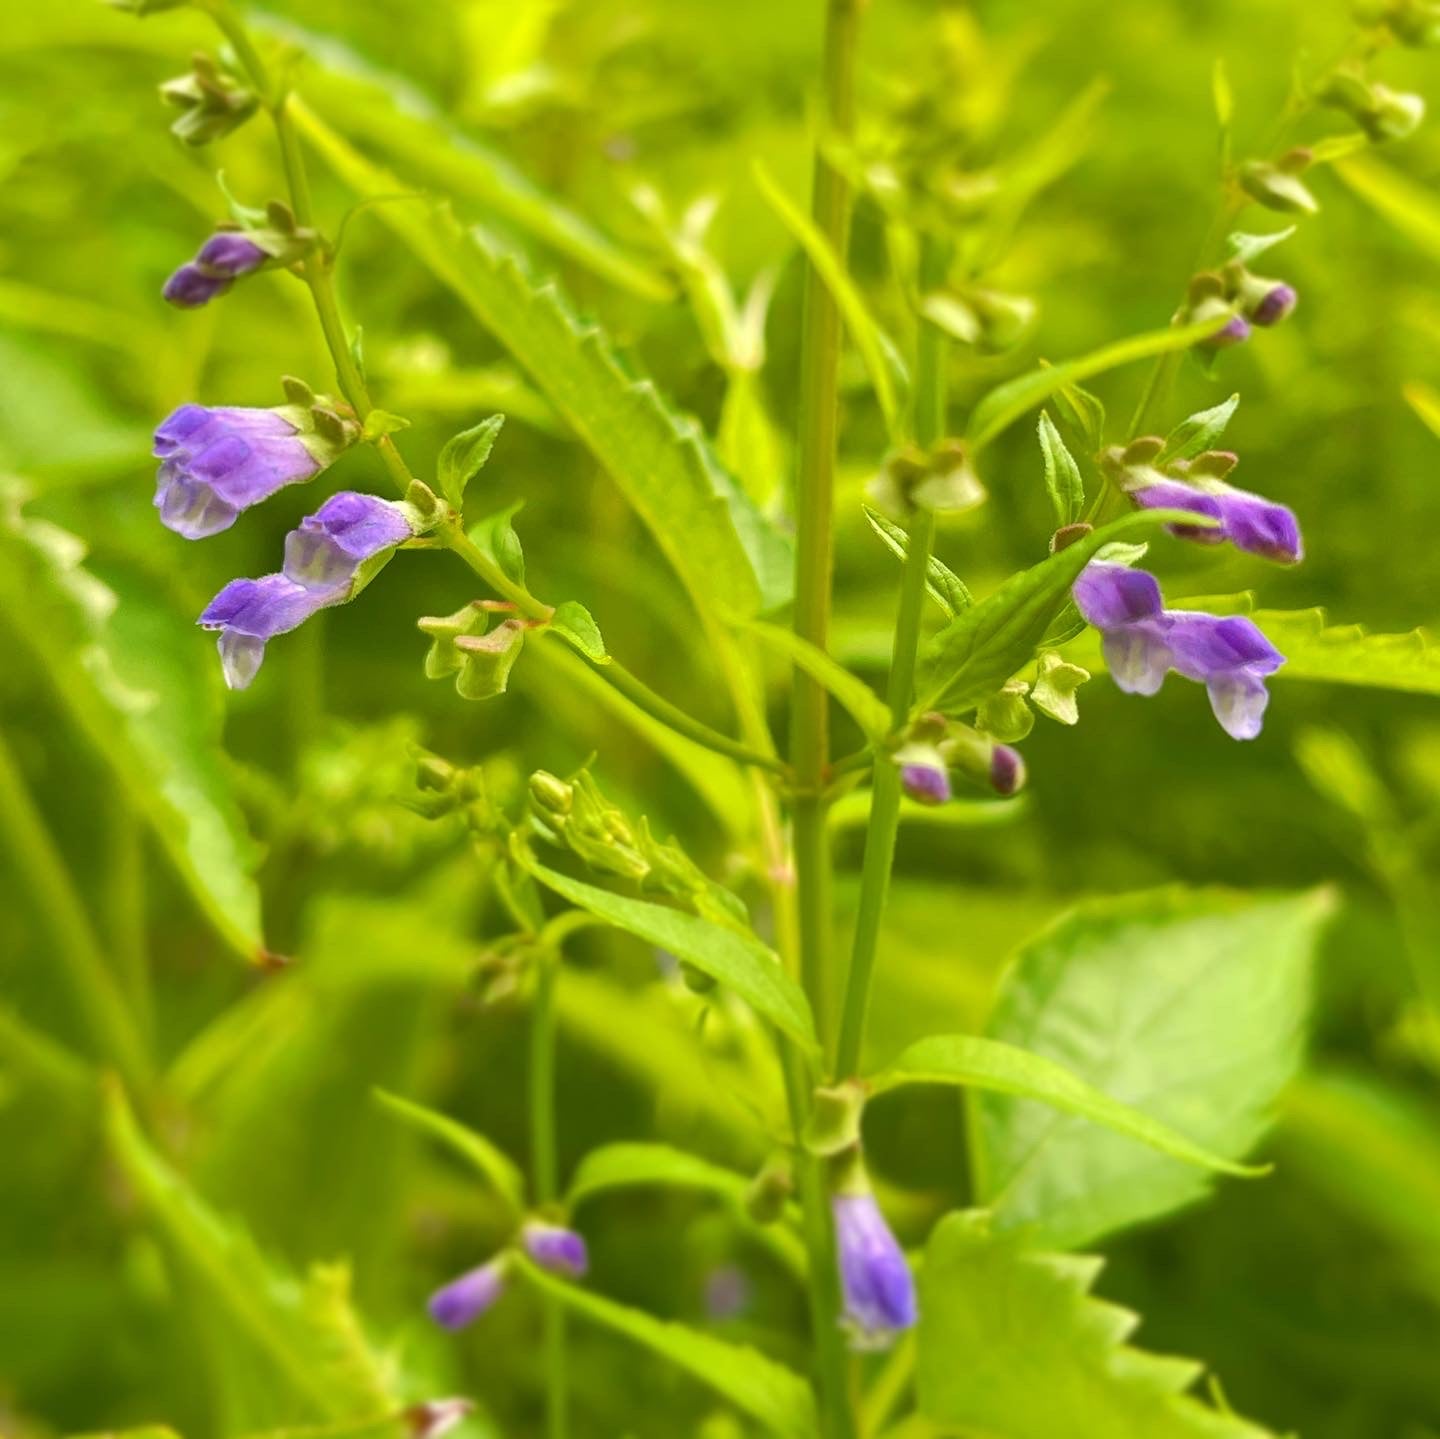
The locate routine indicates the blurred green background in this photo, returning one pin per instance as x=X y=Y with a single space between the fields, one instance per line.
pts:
x=1315 y=1294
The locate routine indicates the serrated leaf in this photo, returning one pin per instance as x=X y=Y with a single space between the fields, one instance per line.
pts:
x=1063 y=481
x=1187 y=1005
x=863 y=705
x=305 y=1332
x=1198 y=432
x=738 y=961
x=774 y=1396
x=1006 y=403
x=1014 y=1346
x=126 y=669
x=629 y=1165
x=980 y=649
x=1248 y=248
x=576 y=625
x=876 y=349
x=498 y=1169
x=728 y=554
x=944 y=586
x=989 y=1065
x=463 y=456
x=496 y=536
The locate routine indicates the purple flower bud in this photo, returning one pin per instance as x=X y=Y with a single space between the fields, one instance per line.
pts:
x=553 y=1247
x=1007 y=770
x=223 y=258
x=1231 y=658
x=1235 y=333
x=879 y=1288
x=926 y=783
x=465 y=1299
x=346 y=530
x=217 y=462
x=1274 y=305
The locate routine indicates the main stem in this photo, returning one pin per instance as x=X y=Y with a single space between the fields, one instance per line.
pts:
x=884 y=822
x=809 y=709
x=546 y=1172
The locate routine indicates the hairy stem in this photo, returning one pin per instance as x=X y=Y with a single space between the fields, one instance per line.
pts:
x=884 y=821
x=43 y=877
x=809 y=711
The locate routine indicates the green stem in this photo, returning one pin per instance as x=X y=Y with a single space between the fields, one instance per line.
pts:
x=884 y=822
x=545 y=1175
x=44 y=878
x=809 y=708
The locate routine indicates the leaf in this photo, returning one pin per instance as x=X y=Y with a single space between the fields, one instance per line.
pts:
x=1248 y=248
x=852 y=811
x=576 y=625
x=626 y=1165
x=1062 y=475
x=1014 y=1346
x=306 y=1333
x=1084 y=413
x=980 y=649
x=1006 y=403
x=1425 y=401
x=379 y=423
x=738 y=961
x=464 y=456
x=1223 y=96
x=876 y=349
x=969 y=1060
x=126 y=669
x=1199 y=432
x=769 y=1393
x=1188 y=1005
x=728 y=555
x=864 y=706
x=496 y=536
x=945 y=587
x=499 y=1170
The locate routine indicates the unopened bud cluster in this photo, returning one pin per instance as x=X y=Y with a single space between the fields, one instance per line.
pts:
x=211 y=105
x=942 y=479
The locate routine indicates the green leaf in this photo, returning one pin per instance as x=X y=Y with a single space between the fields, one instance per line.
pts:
x=1425 y=401
x=775 y=1397
x=1006 y=403
x=864 y=706
x=628 y=1165
x=1187 y=1005
x=496 y=536
x=875 y=348
x=945 y=587
x=986 y=1064
x=980 y=649
x=134 y=678
x=499 y=1170
x=379 y=423
x=464 y=456
x=1199 y=432
x=1248 y=248
x=1014 y=1346
x=306 y=1333
x=738 y=961
x=729 y=556
x=1084 y=413
x=576 y=625
x=1062 y=475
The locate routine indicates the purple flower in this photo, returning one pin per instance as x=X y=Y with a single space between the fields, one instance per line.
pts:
x=465 y=1299
x=553 y=1247
x=926 y=783
x=1275 y=304
x=214 y=463
x=1142 y=642
x=1007 y=770
x=1250 y=522
x=346 y=530
x=323 y=559
x=1125 y=606
x=223 y=258
x=1234 y=333
x=879 y=1288
x=1231 y=658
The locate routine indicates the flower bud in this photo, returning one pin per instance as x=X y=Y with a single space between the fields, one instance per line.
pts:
x=1414 y=22
x=1264 y=301
x=1278 y=186
x=553 y=1247
x=211 y=105
x=879 y=1290
x=1007 y=771
x=924 y=775
x=465 y=1299
x=980 y=759
x=1007 y=716
x=942 y=479
x=551 y=794
x=1382 y=113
